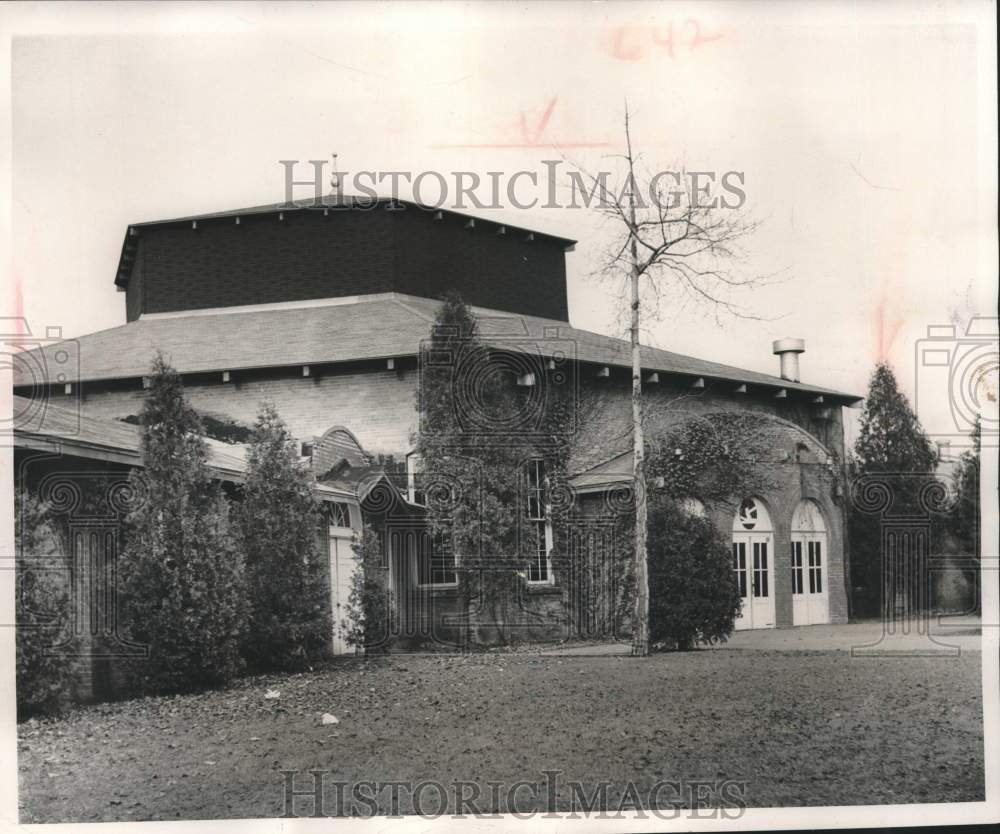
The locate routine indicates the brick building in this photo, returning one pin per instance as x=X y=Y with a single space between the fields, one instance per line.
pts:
x=322 y=310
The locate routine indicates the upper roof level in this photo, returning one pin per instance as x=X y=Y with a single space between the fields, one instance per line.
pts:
x=289 y=252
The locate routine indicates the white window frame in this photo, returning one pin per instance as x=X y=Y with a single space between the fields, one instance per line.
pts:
x=541 y=494
x=798 y=568
x=437 y=585
x=412 y=467
x=336 y=528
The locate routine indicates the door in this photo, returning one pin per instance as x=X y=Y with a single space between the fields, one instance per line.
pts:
x=810 y=594
x=342 y=567
x=753 y=549
x=810 y=597
x=753 y=567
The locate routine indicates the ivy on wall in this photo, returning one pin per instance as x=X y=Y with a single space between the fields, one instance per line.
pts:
x=719 y=457
x=479 y=429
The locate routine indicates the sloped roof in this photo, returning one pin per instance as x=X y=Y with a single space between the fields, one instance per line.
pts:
x=346 y=329
x=47 y=427
x=43 y=425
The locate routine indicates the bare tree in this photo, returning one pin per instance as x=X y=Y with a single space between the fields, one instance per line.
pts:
x=669 y=241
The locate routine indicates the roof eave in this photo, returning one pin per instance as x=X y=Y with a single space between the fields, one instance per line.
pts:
x=834 y=397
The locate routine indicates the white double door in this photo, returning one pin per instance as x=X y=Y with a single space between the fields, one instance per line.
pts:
x=810 y=597
x=754 y=569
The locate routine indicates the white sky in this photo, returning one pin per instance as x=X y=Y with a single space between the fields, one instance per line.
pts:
x=867 y=134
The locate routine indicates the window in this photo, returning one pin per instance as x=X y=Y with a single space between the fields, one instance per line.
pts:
x=740 y=566
x=748 y=514
x=436 y=559
x=760 y=569
x=539 y=522
x=815 y=568
x=338 y=514
x=796 y=567
x=414 y=493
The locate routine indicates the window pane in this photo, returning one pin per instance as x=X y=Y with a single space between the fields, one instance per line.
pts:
x=538 y=566
x=435 y=559
x=740 y=566
x=338 y=514
x=536 y=489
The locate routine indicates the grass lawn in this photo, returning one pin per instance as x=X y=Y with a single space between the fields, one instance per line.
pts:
x=799 y=728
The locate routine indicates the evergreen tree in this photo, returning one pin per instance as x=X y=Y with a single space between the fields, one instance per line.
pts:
x=182 y=580
x=891 y=438
x=289 y=624
x=45 y=678
x=369 y=624
x=693 y=598
x=965 y=520
x=892 y=443
x=964 y=523
x=474 y=464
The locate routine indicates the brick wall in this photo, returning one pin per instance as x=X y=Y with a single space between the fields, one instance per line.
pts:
x=501 y=272
x=798 y=466
x=263 y=260
x=377 y=406
x=306 y=256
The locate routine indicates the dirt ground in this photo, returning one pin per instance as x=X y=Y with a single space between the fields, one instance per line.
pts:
x=788 y=727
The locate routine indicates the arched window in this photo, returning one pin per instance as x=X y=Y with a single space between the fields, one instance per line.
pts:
x=752 y=516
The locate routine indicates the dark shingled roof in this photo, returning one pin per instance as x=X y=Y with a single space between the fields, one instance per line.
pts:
x=347 y=329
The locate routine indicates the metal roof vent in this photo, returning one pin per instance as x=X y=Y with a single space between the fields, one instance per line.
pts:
x=789 y=350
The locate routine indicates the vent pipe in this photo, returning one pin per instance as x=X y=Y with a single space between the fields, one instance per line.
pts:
x=788 y=350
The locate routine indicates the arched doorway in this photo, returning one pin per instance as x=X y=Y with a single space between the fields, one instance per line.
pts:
x=753 y=546
x=810 y=594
